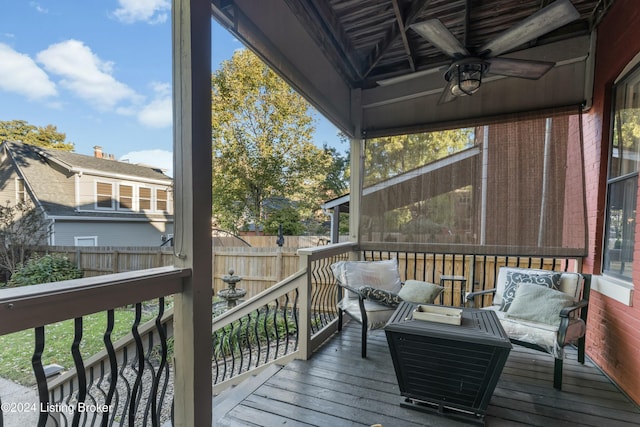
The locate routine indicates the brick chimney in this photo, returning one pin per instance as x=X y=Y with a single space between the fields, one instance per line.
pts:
x=97 y=152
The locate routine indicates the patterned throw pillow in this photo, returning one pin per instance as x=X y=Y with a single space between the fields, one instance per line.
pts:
x=514 y=278
x=381 y=296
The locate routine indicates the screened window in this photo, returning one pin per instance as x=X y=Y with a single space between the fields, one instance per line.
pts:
x=622 y=185
x=104 y=195
x=509 y=187
x=144 y=195
x=161 y=200
x=126 y=197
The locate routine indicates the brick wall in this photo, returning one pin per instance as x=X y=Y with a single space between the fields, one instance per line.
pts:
x=613 y=333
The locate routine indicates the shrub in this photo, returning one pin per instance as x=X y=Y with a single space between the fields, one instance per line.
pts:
x=48 y=268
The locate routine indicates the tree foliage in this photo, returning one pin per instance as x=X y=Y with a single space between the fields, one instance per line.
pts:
x=288 y=217
x=47 y=137
x=45 y=269
x=337 y=179
x=262 y=145
x=22 y=225
x=390 y=156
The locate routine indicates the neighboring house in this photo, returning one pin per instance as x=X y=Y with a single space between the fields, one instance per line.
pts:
x=89 y=201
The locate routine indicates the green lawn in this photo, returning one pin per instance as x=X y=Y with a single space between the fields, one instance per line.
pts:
x=16 y=349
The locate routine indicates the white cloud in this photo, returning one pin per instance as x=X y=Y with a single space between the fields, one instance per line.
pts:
x=150 y=11
x=162 y=159
x=159 y=112
x=20 y=74
x=38 y=7
x=86 y=75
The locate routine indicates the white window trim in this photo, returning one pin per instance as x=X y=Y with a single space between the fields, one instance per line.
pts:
x=113 y=198
x=613 y=288
x=94 y=238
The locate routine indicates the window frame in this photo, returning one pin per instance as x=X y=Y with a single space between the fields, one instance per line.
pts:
x=158 y=200
x=149 y=199
x=98 y=194
x=624 y=252
x=87 y=238
x=132 y=197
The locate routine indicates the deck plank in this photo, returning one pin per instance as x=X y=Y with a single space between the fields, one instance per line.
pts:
x=336 y=387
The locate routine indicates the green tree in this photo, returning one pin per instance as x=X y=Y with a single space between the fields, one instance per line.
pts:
x=45 y=269
x=262 y=145
x=288 y=217
x=22 y=225
x=394 y=155
x=337 y=179
x=47 y=137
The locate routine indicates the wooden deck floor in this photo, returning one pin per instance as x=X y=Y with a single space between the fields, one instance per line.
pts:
x=337 y=388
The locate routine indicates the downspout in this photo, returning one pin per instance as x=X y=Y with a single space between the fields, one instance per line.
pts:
x=485 y=180
x=52 y=232
x=545 y=179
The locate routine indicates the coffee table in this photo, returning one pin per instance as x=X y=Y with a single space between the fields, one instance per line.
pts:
x=444 y=368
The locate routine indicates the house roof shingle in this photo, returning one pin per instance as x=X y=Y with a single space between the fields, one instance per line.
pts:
x=49 y=175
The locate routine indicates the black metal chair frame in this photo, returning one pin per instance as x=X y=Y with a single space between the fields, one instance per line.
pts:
x=363 y=314
x=565 y=316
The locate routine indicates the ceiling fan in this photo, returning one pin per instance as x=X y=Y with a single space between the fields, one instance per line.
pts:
x=465 y=73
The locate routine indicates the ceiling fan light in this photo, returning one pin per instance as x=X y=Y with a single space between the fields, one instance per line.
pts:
x=467 y=78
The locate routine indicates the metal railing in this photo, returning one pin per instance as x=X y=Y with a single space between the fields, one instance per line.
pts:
x=265 y=329
x=128 y=387
x=132 y=377
x=478 y=272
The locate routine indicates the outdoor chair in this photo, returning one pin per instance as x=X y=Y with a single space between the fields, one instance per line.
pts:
x=370 y=291
x=541 y=309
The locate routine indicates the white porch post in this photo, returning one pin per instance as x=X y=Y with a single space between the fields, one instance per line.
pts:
x=357 y=163
x=191 y=34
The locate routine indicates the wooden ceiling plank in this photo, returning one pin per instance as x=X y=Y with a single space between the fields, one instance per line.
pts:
x=321 y=19
x=394 y=31
x=403 y=34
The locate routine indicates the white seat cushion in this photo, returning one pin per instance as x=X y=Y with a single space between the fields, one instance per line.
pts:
x=542 y=334
x=377 y=314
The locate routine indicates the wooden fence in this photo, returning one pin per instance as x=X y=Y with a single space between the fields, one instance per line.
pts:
x=260 y=268
x=263 y=267
x=100 y=260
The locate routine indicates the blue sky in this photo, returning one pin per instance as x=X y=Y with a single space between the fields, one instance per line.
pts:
x=101 y=72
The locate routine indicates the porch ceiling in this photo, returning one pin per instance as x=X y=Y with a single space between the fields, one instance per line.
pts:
x=335 y=52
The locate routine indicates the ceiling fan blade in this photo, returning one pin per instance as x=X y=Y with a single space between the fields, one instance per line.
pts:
x=438 y=35
x=547 y=19
x=447 y=95
x=522 y=68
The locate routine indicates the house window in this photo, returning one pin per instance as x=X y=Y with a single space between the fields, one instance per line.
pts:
x=622 y=183
x=144 y=195
x=20 y=194
x=161 y=200
x=125 y=199
x=104 y=195
x=86 y=240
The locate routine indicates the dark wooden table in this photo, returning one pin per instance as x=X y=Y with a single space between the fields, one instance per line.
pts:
x=449 y=369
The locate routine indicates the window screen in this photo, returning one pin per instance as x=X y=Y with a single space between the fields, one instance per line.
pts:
x=506 y=188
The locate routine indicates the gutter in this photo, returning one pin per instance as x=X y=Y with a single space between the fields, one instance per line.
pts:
x=108 y=219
